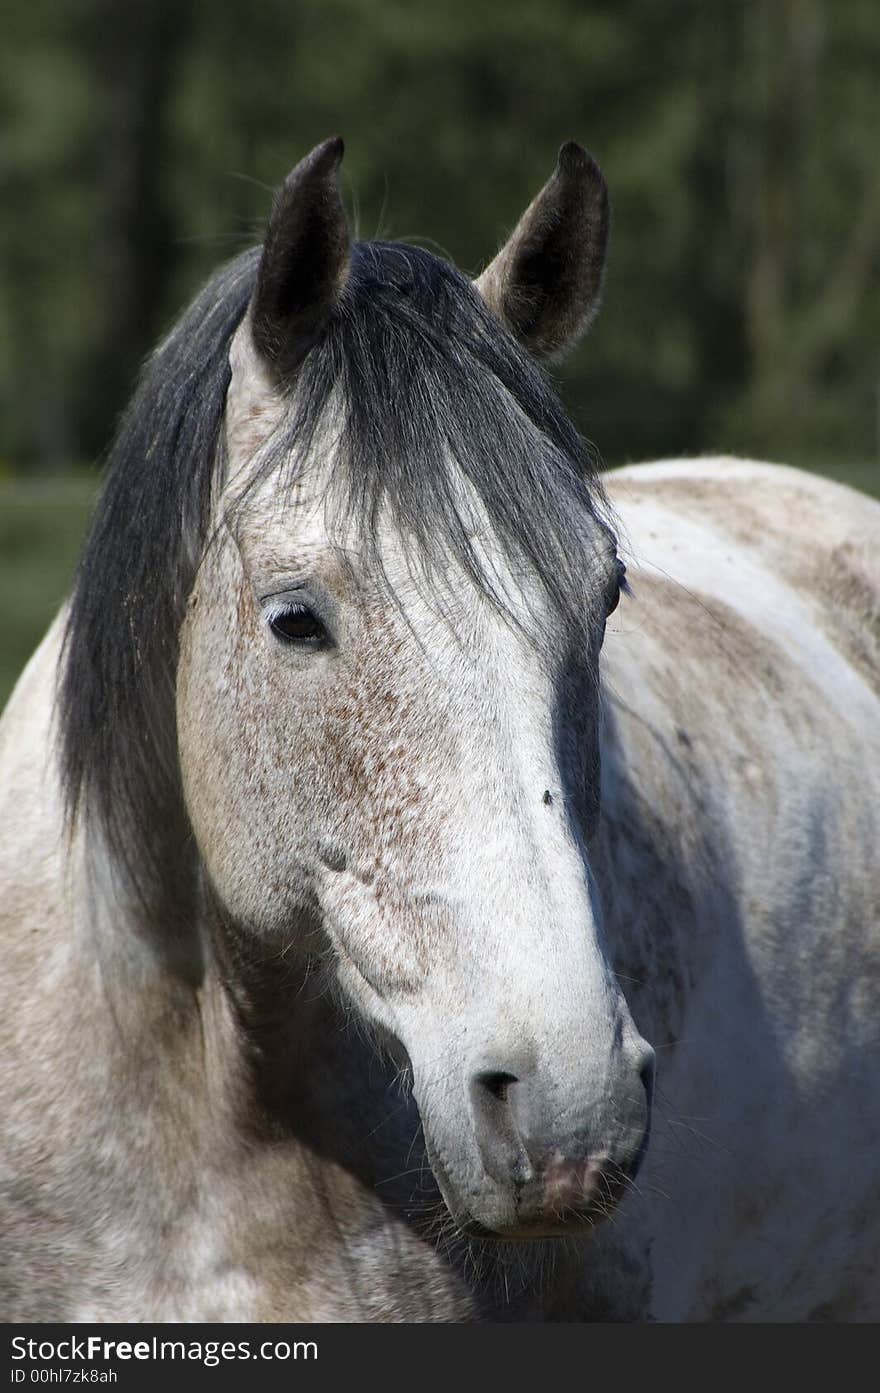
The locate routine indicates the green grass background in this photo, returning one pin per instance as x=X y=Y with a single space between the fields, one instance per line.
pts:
x=42 y=525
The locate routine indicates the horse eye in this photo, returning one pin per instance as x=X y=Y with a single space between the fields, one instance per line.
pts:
x=620 y=586
x=297 y=624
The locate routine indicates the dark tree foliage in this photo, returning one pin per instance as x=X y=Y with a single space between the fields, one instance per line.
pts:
x=738 y=137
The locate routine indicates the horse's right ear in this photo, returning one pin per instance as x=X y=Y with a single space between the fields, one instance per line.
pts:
x=305 y=260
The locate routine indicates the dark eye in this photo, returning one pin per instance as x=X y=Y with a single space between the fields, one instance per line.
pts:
x=619 y=586
x=297 y=624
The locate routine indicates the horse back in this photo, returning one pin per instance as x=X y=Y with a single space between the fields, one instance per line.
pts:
x=741 y=807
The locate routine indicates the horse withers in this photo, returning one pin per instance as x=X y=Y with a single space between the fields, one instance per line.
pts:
x=333 y=986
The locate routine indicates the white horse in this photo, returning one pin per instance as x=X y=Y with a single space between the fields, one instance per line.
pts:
x=331 y=988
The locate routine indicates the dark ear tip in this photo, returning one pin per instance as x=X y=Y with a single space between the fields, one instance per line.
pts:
x=575 y=161
x=331 y=151
x=320 y=163
x=571 y=156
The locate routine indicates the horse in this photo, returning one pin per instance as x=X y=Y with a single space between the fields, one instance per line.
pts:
x=439 y=882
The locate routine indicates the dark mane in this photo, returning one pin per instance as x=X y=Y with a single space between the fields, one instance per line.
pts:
x=427 y=381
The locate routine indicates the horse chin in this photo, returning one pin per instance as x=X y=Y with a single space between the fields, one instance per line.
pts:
x=524 y=1214
x=538 y=1231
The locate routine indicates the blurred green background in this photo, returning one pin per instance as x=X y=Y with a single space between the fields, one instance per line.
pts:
x=141 y=139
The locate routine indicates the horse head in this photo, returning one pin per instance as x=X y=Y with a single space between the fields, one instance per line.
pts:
x=387 y=693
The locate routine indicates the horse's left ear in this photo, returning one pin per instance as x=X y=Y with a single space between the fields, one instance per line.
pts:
x=546 y=282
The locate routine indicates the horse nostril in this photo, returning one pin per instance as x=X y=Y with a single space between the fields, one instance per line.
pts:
x=497 y=1084
x=494 y=1094
x=646 y=1074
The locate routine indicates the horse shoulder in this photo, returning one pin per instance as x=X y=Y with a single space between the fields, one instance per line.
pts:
x=31 y=814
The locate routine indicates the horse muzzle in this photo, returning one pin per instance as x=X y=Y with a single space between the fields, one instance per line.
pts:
x=535 y=1164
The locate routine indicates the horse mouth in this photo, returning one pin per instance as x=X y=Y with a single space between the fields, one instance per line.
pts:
x=569 y=1199
x=538 y=1230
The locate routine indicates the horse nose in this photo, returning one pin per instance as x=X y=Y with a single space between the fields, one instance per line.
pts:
x=521 y=1147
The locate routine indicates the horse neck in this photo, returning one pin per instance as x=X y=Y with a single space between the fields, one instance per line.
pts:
x=265 y=1009
x=113 y=976
x=305 y=1071
x=185 y=974
x=270 y=1042
x=79 y=975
